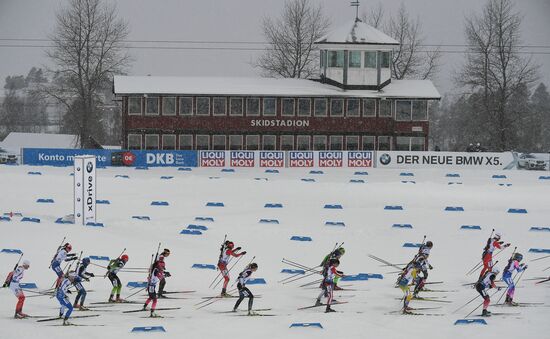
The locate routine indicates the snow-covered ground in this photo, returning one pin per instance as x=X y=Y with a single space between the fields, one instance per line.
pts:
x=368 y=230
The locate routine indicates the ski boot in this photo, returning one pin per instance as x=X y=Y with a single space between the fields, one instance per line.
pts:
x=144 y=308
x=485 y=313
x=111 y=299
x=234 y=310
x=20 y=315
x=337 y=288
x=66 y=322
x=318 y=302
x=83 y=308
x=329 y=310
x=224 y=294
x=154 y=315
x=510 y=302
x=119 y=299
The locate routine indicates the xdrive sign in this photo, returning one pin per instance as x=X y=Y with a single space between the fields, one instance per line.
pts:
x=212 y=158
x=84 y=189
x=242 y=158
x=331 y=159
x=272 y=159
x=359 y=159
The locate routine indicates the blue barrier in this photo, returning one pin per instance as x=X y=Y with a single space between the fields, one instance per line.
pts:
x=308 y=180
x=204 y=266
x=17 y=214
x=357 y=181
x=410 y=244
x=45 y=201
x=499 y=176
x=335 y=206
x=454 y=183
x=408 y=182
x=316 y=172
x=266 y=179
x=540 y=229
x=375 y=276
x=517 y=210
x=28 y=285
x=361 y=173
x=204 y=219
x=406 y=174
x=99 y=257
x=2 y=218
x=11 y=251
x=95 y=224
x=136 y=284
x=292 y=271
x=103 y=202
x=191 y=232
x=544 y=177
x=144 y=168
x=273 y=205
x=166 y=177
x=197 y=227
x=228 y=170
x=306 y=325
x=29 y=219
x=268 y=221
x=215 y=204
x=213 y=177
x=257 y=281
x=299 y=238
x=271 y=171
x=335 y=223
x=124 y=176
x=356 y=277
x=63 y=221
x=149 y=329
x=452 y=175
x=454 y=209
x=34 y=173
x=394 y=208
x=470 y=321
x=470 y=227
x=185 y=169
x=402 y=226
x=159 y=203
x=506 y=185
x=539 y=250
x=141 y=217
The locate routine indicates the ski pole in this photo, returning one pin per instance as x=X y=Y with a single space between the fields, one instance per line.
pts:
x=219 y=281
x=481 y=262
x=546 y=256
x=219 y=259
x=479 y=306
x=315 y=282
x=299 y=278
x=131 y=295
x=466 y=304
x=218 y=275
x=58 y=247
x=480 y=265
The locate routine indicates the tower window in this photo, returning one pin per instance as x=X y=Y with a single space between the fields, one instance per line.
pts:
x=336 y=59
x=370 y=59
x=385 y=60
x=354 y=59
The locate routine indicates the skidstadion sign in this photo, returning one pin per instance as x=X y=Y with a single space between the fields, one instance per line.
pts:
x=279 y=123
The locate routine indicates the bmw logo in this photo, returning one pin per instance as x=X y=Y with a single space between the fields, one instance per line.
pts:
x=385 y=159
x=89 y=167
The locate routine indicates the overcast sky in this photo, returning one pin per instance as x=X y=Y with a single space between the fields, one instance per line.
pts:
x=231 y=21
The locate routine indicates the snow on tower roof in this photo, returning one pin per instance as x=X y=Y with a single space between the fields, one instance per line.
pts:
x=357 y=32
x=15 y=141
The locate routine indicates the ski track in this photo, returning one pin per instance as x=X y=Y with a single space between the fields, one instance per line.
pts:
x=368 y=230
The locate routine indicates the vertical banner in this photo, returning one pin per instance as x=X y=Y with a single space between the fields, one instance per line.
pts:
x=84 y=189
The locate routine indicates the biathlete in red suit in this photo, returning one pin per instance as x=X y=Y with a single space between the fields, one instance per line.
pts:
x=487 y=256
x=227 y=251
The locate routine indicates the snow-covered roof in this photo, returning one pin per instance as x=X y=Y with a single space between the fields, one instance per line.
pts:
x=139 y=85
x=357 y=32
x=15 y=141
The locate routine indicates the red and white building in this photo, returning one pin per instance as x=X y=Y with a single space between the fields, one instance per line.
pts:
x=354 y=105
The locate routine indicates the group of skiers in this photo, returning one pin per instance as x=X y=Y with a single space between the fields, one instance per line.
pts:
x=331 y=276
x=415 y=273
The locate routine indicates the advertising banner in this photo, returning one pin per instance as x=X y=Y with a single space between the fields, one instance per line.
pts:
x=212 y=158
x=271 y=158
x=242 y=158
x=62 y=157
x=473 y=160
x=360 y=158
x=84 y=189
x=301 y=159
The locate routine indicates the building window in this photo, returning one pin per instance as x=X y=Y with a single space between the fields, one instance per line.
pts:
x=336 y=59
x=369 y=107
x=151 y=141
x=186 y=106
x=134 y=141
x=218 y=142
x=385 y=109
x=202 y=142
x=322 y=58
x=402 y=143
x=288 y=107
x=384 y=143
x=219 y=106
x=420 y=110
x=385 y=62
x=134 y=106
x=186 y=142
x=169 y=142
x=403 y=110
x=169 y=106
x=252 y=142
x=417 y=144
x=152 y=106
x=320 y=106
x=302 y=142
x=353 y=108
x=235 y=142
x=368 y=143
x=336 y=142
x=370 y=59
x=355 y=59
x=304 y=107
x=352 y=143
x=203 y=106
x=236 y=107
x=253 y=106
x=287 y=142
x=269 y=142
x=336 y=107
x=270 y=107
x=319 y=142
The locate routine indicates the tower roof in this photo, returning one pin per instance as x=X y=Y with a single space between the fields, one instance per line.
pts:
x=357 y=32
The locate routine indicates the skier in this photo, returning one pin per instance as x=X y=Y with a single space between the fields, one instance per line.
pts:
x=12 y=281
x=152 y=281
x=406 y=278
x=329 y=282
x=81 y=275
x=63 y=298
x=244 y=276
x=325 y=264
x=112 y=269
x=486 y=282
x=226 y=252
x=161 y=265
x=513 y=265
x=61 y=255
x=422 y=266
x=487 y=255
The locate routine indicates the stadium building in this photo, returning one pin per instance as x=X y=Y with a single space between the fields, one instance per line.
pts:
x=354 y=105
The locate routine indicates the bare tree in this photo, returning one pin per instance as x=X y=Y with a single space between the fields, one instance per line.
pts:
x=291 y=52
x=495 y=69
x=411 y=59
x=87 y=50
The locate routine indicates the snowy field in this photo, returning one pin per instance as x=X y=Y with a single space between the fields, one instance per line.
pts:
x=368 y=230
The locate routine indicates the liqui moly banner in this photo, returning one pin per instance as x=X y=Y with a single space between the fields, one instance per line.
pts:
x=84 y=189
x=360 y=158
x=272 y=159
x=212 y=158
x=331 y=159
x=301 y=159
x=242 y=158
